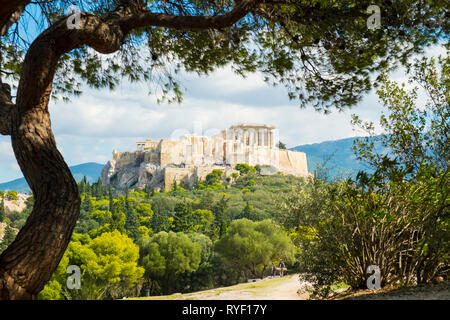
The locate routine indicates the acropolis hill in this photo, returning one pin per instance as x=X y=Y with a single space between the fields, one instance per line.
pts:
x=158 y=164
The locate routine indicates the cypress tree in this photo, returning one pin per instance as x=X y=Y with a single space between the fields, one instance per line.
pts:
x=220 y=218
x=2 y=211
x=86 y=205
x=182 y=218
x=110 y=196
x=8 y=238
x=132 y=219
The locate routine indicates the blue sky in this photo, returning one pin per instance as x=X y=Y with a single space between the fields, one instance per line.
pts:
x=89 y=127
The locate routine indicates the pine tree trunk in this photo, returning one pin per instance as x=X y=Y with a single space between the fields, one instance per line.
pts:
x=29 y=262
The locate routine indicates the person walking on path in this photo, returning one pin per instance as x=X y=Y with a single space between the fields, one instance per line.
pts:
x=274 y=270
x=281 y=266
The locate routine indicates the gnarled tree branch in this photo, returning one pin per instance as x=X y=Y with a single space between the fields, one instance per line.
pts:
x=105 y=37
x=10 y=12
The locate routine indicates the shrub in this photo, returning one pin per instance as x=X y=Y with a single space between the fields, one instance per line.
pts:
x=12 y=195
x=250 y=247
x=244 y=168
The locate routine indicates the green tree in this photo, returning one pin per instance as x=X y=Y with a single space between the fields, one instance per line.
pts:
x=8 y=238
x=182 y=219
x=12 y=195
x=203 y=277
x=86 y=205
x=108 y=266
x=214 y=177
x=220 y=217
x=414 y=136
x=416 y=159
x=166 y=256
x=2 y=211
x=163 y=208
x=132 y=219
x=244 y=168
x=118 y=216
x=202 y=222
x=246 y=212
x=250 y=247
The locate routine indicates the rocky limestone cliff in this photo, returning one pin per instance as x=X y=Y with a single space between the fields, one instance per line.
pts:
x=158 y=164
x=133 y=174
x=130 y=170
x=18 y=205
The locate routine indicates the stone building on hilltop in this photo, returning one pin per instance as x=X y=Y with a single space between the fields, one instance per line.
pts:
x=158 y=164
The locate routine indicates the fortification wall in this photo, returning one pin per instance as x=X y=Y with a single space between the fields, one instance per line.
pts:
x=172 y=152
x=125 y=159
x=180 y=175
x=190 y=175
x=293 y=162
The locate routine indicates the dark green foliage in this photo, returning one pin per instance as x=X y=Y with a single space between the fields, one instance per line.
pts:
x=249 y=247
x=132 y=219
x=281 y=145
x=2 y=211
x=168 y=256
x=246 y=212
x=118 y=216
x=8 y=238
x=182 y=219
x=12 y=195
x=86 y=205
x=321 y=51
x=220 y=218
x=214 y=177
x=244 y=168
x=396 y=216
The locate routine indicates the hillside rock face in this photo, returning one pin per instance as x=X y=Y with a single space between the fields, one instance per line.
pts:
x=159 y=164
x=132 y=173
x=16 y=205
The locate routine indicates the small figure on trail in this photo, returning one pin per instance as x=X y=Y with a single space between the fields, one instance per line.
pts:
x=274 y=270
x=282 y=266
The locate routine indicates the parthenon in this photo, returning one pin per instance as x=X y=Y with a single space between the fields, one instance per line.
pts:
x=193 y=156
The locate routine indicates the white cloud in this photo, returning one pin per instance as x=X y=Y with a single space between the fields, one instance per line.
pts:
x=9 y=169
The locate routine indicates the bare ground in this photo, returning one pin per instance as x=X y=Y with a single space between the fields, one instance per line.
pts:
x=277 y=288
x=288 y=288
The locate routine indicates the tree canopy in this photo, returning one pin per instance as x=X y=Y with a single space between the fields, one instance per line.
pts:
x=166 y=256
x=321 y=50
x=249 y=247
x=107 y=263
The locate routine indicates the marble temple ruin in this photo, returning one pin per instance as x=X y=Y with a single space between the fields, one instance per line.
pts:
x=158 y=164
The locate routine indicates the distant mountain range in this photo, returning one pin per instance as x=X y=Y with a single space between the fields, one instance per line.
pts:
x=91 y=170
x=341 y=163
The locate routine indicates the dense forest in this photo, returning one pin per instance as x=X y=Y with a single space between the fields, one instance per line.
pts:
x=147 y=241
x=225 y=231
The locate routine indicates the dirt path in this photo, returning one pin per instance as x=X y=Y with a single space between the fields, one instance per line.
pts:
x=268 y=289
